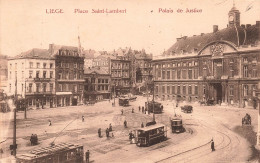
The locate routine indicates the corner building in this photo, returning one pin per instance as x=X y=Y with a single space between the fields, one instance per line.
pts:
x=222 y=66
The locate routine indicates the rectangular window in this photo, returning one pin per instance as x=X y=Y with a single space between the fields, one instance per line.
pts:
x=178 y=74
x=51 y=87
x=190 y=73
x=37 y=87
x=30 y=87
x=51 y=74
x=37 y=74
x=245 y=88
x=75 y=65
x=254 y=73
x=44 y=65
x=190 y=90
x=196 y=73
x=31 y=64
x=231 y=73
x=163 y=74
x=44 y=87
x=168 y=74
x=179 y=89
x=196 y=90
x=231 y=90
x=184 y=89
x=173 y=89
x=168 y=89
x=156 y=89
x=44 y=74
x=51 y=65
x=173 y=74
x=204 y=73
x=60 y=87
x=38 y=65
x=163 y=89
x=245 y=70
x=184 y=74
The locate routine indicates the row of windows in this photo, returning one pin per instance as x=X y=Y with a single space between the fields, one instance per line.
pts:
x=99 y=88
x=177 y=74
x=119 y=65
x=177 y=64
x=38 y=74
x=177 y=89
x=69 y=87
x=44 y=65
x=120 y=74
x=70 y=65
x=68 y=53
x=72 y=75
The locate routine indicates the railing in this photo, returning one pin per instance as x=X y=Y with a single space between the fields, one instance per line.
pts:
x=42 y=79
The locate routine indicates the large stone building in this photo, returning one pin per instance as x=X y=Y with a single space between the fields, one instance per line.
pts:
x=97 y=84
x=222 y=66
x=143 y=67
x=31 y=75
x=69 y=74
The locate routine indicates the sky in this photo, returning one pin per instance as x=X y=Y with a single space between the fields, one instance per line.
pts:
x=24 y=24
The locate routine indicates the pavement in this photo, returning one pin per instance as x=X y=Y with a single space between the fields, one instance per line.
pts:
x=202 y=125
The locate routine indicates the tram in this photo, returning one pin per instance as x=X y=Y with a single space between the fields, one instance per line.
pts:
x=176 y=125
x=158 y=107
x=123 y=101
x=60 y=153
x=151 y=135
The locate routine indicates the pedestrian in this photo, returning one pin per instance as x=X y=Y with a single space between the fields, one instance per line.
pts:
x=142 y=125
x=110 y=127
x=139 y=108
x=212 y=145
x=87 y=156
x=142 y=109
x=133 y=110
x=83 y=118
x=107 y=132
x=31 y=139
x=125 y=124
x=122 y=112
x=99 y=132
x=50 y=123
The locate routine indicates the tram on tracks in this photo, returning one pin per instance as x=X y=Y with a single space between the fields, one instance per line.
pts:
x=151 y=135
x=176 y=125
x=60 y=153
x=123 y=101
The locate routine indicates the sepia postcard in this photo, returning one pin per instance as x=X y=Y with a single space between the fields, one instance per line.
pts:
x=129 y=81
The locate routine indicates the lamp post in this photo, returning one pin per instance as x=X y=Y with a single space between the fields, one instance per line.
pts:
x=153 y=102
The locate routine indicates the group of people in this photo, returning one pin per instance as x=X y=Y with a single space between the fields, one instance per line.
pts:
x=144 y=110
x=108 y=130
x=34 y=139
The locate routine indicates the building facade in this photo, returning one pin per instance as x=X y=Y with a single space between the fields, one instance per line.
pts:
x=222 y=66
x=97 y=84
x=31 y=75
x=69 y=74
x=143 y=68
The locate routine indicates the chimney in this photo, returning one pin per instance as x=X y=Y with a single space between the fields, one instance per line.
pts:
x=243 y=26
x=257 y=23
x=215 y=28
x=202 y=34
x=248 y=25
x=51 y=48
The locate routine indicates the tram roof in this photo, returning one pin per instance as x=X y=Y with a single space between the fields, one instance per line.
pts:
x=151 y=127
x=47 y=151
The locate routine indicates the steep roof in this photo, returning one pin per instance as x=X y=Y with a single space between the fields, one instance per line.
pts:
x=236 y=35
x=34 y=54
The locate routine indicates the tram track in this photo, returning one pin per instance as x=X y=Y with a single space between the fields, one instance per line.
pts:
x=226 y=140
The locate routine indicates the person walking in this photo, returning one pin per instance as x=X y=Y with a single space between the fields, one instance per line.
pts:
x=133 y=110
x=142 y=125
x=50 y=123
x=87 y=156
x=142 y=109
x=122 y=112
x=212 y=145
x=107 y=132
x=139 y=108
x=125 y=124
x=110 y=127
x=83 y=118
x=99 y=132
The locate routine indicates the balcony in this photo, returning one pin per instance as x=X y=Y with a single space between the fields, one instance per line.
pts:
x=43 y=93
x=42 y=79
